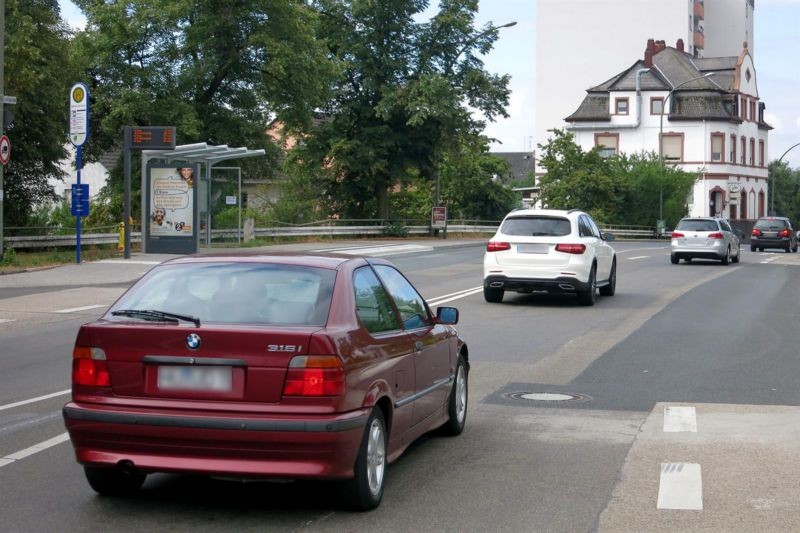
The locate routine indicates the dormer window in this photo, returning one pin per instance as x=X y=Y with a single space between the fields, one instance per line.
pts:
x=621 y=106
x=747 y=75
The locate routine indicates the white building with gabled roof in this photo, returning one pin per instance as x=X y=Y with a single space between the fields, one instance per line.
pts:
x=712 y=124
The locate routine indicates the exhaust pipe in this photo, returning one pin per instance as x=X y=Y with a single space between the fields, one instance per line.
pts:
x=126 y=467
x=496 y=284
x=566 y=287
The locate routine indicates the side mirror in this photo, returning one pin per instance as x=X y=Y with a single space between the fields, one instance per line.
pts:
x=608 y=237
x=447 y=315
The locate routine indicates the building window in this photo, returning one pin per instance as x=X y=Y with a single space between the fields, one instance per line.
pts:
x=656 y=105
x=733 y=149
x=753 y=110
x=717 y=146
x=621 y=106
x=744 y=151
x=744 y=204
x=752 y=152
x=672 y=146
x=761 y=199
x=608 y=143
x=761 y=153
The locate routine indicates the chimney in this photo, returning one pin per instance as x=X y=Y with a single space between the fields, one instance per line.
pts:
x=679 y=45
x=660 y=46
x=648 y=53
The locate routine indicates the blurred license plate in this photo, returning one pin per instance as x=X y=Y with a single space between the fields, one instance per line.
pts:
x=200 y=378
x=532 y=248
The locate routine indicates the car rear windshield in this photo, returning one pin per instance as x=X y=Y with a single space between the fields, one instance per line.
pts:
x=251 y=293
x=775 y=223
x=536 y=226
x=697 y=225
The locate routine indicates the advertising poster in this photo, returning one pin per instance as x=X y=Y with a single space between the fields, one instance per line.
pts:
x=172 y=202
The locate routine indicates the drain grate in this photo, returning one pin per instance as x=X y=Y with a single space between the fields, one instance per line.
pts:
x=548 y=397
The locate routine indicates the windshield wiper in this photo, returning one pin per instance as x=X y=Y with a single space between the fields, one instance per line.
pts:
x=150 y=314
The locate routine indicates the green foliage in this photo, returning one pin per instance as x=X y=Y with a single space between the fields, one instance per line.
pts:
x=39 y=73
x=406 y=92
x=9 y=257
x=784 y=184
x=629 y=189
x=394 y=228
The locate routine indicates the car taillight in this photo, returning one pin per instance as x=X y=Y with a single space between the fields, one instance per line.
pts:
x=677 y=235
x=756 y=232
x=492 y=246
x=571 y=248
x=89 y=367
x=784 y=233
x=314 y=375
x=716 y=235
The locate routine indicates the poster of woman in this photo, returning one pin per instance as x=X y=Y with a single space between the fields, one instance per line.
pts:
x=171 y=201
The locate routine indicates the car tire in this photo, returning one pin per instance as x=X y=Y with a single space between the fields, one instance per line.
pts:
x=587 y=297
x=365 y=490
x=674 y=259
x=727 y=258
x=794 y=249
x=611 y=288
x=493 y=295
x=735 y=259
x=760 y=249
x=112 y=481
x=752 y=248
x=458 y=401
x=789 y=249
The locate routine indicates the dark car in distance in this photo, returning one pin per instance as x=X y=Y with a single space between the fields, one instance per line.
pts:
x=270 y=366
x=773 y=232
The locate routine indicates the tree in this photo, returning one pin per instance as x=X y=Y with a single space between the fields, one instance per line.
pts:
x=580 y=180
x=784 y=184
x=38 y=72
x=219 y=71
x=404 y=99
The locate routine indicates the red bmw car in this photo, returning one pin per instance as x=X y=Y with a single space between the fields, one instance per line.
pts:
x=275 y=366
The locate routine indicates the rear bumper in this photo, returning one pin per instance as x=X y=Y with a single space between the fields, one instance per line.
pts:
x=292 y=447
x=562 y=285
x=686 y=252
x=760 y=242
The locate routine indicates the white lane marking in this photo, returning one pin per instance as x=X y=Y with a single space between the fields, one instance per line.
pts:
x=464 y=295
x=36 y=448
x=34 y=400
x=769 y=260
x=678 y=419
x=375 y=251
x=638 y=257
x=680 y=487
x=641 y=250
x=128 y=262
x=454 y=293
x=76 y=309
x=5 y=320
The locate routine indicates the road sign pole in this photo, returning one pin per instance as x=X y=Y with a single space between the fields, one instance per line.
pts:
x=126 y=150
x=79 y=161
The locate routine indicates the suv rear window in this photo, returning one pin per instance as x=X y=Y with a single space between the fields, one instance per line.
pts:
x=775 y=223
x=697 y=225
x=536 y=226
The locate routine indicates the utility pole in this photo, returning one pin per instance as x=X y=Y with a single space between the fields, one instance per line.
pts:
x=2 y=111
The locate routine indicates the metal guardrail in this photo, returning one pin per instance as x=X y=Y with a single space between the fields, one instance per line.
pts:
x=53 y=241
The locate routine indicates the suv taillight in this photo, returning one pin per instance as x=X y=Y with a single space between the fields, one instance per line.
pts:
x=716 y=235
x=493 y=246
x=756 y=232
x=89 y=367
x=784 y=233
x=314 y=375
x=571 y=248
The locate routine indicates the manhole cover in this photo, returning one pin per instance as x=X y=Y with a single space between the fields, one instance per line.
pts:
x=549 y=397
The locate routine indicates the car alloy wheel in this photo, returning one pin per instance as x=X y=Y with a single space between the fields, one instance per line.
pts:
x=611 y=288
x=365 y=490
x=588 y=296
x=727 y=258
x=457 y=403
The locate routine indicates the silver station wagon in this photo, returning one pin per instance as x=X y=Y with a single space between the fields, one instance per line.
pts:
x=704 y=238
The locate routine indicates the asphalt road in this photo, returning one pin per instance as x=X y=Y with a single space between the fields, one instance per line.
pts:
x=616 y=454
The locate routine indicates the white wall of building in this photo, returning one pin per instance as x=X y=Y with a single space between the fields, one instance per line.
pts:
x=582 y=43
x=728 y=24
x=94 y=174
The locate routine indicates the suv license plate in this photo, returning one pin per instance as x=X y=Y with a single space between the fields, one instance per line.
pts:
x=198 y=378
x=532 y=248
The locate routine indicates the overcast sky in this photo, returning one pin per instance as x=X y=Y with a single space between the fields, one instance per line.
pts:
x=777 y=61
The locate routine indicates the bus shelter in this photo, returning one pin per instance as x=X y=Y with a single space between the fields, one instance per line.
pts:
x=176 y=195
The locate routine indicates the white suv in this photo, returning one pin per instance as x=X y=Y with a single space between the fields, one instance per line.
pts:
x=551 y=251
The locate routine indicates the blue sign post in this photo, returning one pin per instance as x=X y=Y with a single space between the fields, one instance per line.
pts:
x=78 y=133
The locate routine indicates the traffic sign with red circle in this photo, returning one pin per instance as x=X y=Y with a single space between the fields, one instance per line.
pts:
x=5 y=150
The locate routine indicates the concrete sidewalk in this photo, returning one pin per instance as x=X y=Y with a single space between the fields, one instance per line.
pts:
x=120 y=270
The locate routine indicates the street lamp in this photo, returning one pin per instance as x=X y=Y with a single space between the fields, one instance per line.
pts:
x=774 y=185
x=661 y=137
